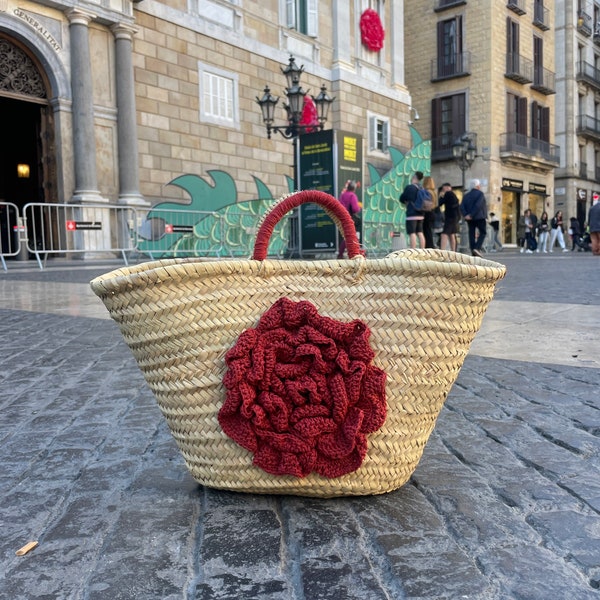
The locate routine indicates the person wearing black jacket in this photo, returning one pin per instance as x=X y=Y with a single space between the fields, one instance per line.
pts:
x=474 y=210
x=414 y=217
x=450 y=203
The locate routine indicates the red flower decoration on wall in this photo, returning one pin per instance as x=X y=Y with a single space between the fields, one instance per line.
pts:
x=302 y=394
x=371 y=30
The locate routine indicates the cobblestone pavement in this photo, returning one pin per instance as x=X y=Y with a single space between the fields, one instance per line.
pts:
x=504 y=504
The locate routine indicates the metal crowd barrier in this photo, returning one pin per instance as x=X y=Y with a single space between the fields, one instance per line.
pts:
x=91 y=229
x=163 y=232
x=78 y=228
x=12 y=231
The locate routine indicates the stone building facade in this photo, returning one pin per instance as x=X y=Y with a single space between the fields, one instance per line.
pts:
x=578 y=106
x=487 y=67
x=131 y=95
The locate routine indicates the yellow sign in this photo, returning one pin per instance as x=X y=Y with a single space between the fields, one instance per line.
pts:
x=350 y=147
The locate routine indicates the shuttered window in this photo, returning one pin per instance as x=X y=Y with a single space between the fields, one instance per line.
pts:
x=379 y=133
x=516 y=114
x=303 y=16
x=448 y=119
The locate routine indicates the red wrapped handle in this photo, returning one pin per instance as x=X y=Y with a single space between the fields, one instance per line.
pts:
x=331 y=206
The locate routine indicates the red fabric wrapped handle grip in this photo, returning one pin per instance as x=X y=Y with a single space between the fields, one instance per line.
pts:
x=329 y=203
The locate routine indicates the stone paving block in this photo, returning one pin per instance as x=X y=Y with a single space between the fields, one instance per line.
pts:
x=240 y=555
x=571 y=534
x=412 y=544
x=531 y=572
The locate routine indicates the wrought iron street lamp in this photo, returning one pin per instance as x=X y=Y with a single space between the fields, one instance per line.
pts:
x=464 y=151
x=294 y=106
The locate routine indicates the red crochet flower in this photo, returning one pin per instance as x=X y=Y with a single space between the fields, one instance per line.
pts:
x=302 y=394
x=371 y=30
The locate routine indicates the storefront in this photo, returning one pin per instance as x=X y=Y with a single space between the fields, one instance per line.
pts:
x=537 y=199
x=512 y=194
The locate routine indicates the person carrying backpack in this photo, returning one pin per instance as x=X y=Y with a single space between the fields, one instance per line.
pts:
x=414 y=216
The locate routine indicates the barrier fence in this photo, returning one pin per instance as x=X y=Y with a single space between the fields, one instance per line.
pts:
x=89 y=230
x=12 y=231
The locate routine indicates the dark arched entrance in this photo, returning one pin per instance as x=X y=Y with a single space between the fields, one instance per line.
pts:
x=27 y=153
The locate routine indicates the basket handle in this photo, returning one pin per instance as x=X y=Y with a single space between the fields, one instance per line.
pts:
x=331 y=206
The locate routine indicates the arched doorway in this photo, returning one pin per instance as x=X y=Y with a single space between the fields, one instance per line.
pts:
x=27 y=152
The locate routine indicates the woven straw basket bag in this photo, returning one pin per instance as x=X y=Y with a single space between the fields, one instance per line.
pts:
x=403 y=323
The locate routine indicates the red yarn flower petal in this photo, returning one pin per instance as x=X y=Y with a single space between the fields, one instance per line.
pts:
x=302 y=393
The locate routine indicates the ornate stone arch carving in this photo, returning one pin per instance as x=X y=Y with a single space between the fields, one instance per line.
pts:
x=18 y=73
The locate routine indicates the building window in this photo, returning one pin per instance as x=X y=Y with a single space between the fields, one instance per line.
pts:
x=379 y=133
x=516 y=114
x=302 y=15
x=448 y=122
x=512 y=37
x=450 y=47
x=218 y=96
x=540 y=122
x=538 y=59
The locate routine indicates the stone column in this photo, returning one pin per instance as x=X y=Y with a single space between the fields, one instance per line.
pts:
x=84 y=142
x=342 y=51
x=129 y=180
x=396 y=37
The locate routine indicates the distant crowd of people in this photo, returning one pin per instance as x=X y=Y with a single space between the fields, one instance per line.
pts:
x=425 y=220
x=421 y=219
x=541 y=235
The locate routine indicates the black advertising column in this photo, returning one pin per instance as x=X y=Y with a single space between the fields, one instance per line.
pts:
x=326 y=161
x=317 y=171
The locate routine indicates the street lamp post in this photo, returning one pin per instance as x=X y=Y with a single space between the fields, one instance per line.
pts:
x=464 y=151
x=294 y=107
x=293 y=126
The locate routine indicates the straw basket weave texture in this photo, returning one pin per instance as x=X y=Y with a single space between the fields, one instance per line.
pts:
x=181 y=316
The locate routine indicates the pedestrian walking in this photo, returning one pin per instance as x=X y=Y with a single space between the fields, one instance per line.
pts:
x=496 y=244
x=556 y=232
x=429 y=215
x=594 y=227
x=450 y=203
x=529 y=243
x=349 y=200
x=474 y=210
x=575 y=233
x=543 y=232
x=414 y=217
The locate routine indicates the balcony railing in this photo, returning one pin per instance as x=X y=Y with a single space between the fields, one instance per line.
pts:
x=541 y=17
x=543 y=81
x=441 y=147
x=454 y=65
x=584 y=23
x=444 y=4
x=588 y=73
x=511 y=143
x=583 y=170
x=519 y=68
x=517 y=6
x=588 y=127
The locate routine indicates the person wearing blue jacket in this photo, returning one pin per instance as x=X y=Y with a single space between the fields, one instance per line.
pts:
x=474 y=209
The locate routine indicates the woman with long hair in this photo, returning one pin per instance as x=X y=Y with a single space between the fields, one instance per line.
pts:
x=543 y=227
x=556 y=231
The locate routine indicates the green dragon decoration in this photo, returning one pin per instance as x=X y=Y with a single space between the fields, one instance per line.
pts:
x=214 y=223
